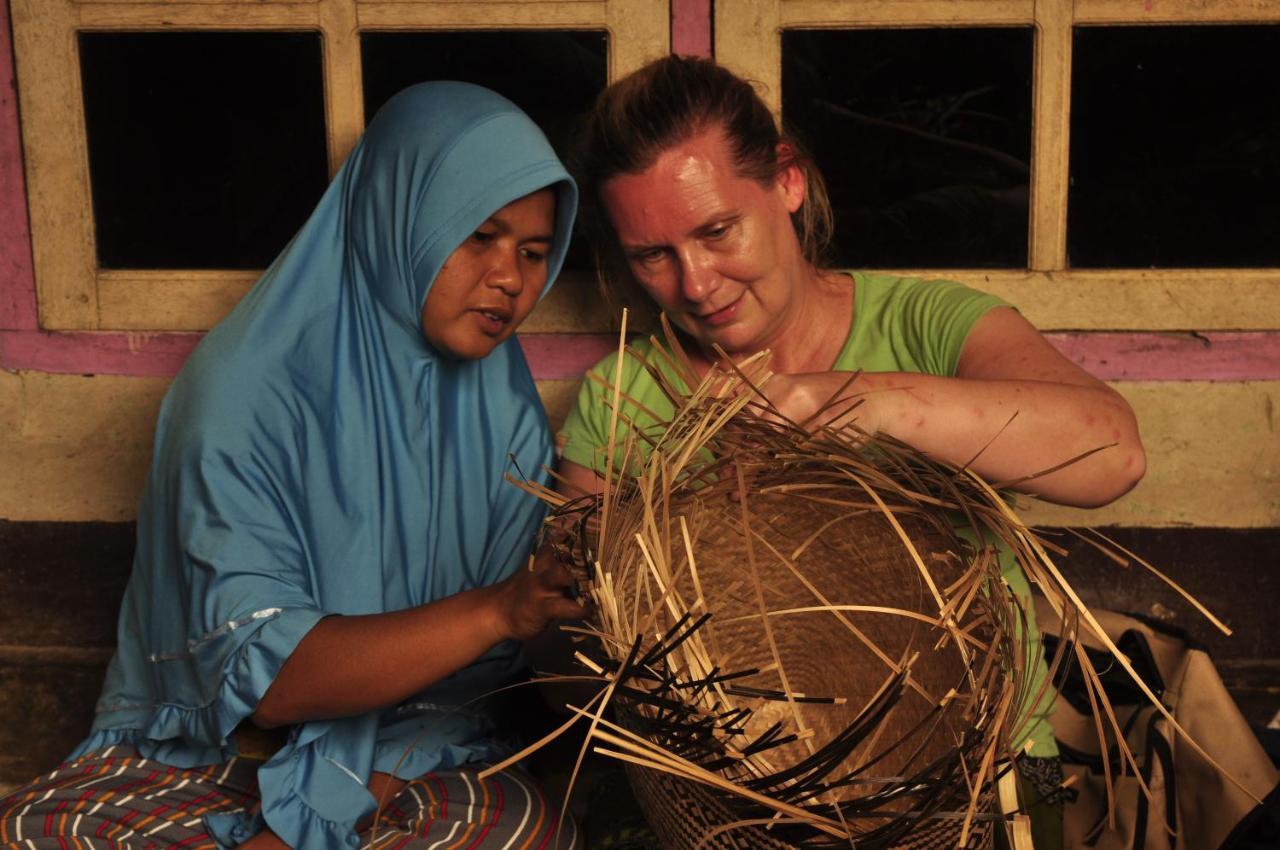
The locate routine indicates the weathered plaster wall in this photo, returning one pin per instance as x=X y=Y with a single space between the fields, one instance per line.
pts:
x=76 y=448
x=77 y=409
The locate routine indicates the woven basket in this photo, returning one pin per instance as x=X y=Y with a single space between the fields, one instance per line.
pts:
x=683 y=814
x=812 y=554
x=799 y=649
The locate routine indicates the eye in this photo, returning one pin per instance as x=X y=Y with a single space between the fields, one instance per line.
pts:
x=483 y=237
x=533 y=255
x=716 y=231
x=648 y=256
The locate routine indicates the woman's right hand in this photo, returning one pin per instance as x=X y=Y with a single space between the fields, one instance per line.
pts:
x=352 y=664
x=536 y=594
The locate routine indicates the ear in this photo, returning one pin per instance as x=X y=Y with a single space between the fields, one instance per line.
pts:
x=790 y=178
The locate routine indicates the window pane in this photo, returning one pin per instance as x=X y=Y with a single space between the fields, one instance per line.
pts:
x=924 y=137
x=553 y=76
x=1175 y=147
x=206 y=149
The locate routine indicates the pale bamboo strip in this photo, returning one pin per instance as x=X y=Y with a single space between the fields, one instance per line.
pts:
x=1208 y=615
x=1065 y=587
x=613 y=432
x=755 y=578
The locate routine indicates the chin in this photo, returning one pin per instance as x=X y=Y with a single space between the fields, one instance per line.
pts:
x=466 y=349
x=733 y=340
x=476 y=352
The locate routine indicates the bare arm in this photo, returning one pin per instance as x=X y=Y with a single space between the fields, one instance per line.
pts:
x=351 y=665
x=1006 y=367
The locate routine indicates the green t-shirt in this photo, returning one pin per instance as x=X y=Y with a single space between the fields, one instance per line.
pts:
x=899 y=325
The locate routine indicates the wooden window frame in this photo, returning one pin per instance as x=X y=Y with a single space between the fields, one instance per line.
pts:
x=1050 y=293
x=73 y=293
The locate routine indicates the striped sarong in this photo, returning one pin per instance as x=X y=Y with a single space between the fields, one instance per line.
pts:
x=117 y=800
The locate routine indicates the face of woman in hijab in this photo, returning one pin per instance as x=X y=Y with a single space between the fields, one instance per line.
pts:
x=492 y=281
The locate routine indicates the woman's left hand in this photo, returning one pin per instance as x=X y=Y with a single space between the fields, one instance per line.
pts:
x=533 y=596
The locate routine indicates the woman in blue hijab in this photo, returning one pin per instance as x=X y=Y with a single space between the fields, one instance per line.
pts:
x=326 y=543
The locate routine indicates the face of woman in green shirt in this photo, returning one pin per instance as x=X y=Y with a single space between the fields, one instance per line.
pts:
x=716 y=250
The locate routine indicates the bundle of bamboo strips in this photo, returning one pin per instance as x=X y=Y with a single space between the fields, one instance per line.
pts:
x=803 y=630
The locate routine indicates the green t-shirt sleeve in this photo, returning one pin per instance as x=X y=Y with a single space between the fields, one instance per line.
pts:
x=584 y=437
x=916 y=325
x=942 y=313
x=585 y=432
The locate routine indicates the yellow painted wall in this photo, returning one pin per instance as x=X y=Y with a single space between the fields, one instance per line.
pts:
x=76 y=448
x=1213 y=458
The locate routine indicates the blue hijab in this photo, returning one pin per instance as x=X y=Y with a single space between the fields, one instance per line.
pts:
x=316 y=456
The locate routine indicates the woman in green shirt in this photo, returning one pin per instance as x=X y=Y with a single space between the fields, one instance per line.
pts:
x=721 y=220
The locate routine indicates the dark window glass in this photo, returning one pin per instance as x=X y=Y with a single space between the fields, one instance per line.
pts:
x=924 y=137
x=552 y=75
x=206 y=150
x=1175 y=147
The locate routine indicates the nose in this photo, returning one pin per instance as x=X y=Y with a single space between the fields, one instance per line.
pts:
x=698 y=276
x=504 y=273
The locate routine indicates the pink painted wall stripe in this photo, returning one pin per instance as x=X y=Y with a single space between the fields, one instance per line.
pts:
x=17 y=280
x=1217 y=356
x=161 y=355
x=1237 y=356
x=562 y=356
x=691 y=27
x=137 y=355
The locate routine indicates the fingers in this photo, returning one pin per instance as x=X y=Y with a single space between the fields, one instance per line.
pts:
x=542 y=607
x=563 y=608
x=551 y=573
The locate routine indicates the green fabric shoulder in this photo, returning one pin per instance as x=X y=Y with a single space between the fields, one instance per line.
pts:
x=906 y=324
x=584 y=437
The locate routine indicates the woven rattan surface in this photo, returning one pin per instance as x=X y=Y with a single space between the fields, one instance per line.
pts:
x=802 y=560
x=848 y=558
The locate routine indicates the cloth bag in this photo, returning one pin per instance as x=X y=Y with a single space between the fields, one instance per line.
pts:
x=1192 y=806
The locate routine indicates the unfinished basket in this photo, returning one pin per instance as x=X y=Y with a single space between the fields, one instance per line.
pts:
x=851 y=697
x=803 y=631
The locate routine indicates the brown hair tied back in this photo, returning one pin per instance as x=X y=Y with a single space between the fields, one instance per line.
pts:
x=667 y=102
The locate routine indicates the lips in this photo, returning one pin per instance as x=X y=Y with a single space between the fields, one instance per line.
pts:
x=722 y=316
x=493 y=319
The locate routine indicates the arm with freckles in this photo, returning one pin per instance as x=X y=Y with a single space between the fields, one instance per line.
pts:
x=1006 y=367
